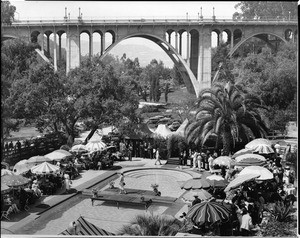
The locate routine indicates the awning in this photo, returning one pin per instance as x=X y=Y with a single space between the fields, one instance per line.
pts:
x=88 y=229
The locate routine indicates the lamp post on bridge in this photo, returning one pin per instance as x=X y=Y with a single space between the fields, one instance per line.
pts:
x=214 y=17
x=289 y=15
x=201 y=17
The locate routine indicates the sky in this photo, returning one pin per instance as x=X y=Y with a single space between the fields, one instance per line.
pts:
x=27 y=10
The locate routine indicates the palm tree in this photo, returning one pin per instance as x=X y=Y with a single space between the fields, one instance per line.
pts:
x=152 y=225
x=227 y=112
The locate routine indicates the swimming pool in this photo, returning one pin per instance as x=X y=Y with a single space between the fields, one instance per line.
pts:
x=106 y=215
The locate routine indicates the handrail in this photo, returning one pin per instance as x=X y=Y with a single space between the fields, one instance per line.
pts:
x=145 y=21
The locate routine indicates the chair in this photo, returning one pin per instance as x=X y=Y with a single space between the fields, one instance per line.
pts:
x=6 y=213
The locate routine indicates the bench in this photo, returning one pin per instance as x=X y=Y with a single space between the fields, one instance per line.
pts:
x=120 y=198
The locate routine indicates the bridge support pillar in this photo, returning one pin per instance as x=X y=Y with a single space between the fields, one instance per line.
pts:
x=188 y=49
x=73 y=51
x=55 y=52
x=180 y=44
x=102 y=43
x=204 y=59
x=91 y=45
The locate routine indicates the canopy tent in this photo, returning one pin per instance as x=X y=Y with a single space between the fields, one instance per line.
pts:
x=87 y=229
x=163 y=131
x=180 y=130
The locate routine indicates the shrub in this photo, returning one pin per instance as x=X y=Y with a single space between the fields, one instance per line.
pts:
x=277 y=228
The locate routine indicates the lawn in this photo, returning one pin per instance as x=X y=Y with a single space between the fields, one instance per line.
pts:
x=24 y=133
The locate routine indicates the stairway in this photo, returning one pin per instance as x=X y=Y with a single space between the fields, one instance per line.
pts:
x=174 y=161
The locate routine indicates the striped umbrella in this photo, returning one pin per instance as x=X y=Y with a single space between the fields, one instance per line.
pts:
x=195 y=183
x=95 y=146
x=208 y=212
x=250 y=160
x=45 y=168
x=242 y=152
x=260 y=141
x=79 y=148
x=58 y=155
x=264 y=149
x=239 y=180
x=87 y=228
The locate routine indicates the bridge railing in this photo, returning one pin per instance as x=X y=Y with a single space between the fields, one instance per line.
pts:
x=148 y=20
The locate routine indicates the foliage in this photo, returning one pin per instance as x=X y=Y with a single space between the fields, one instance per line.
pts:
x=275 y=228
x=260 y=10
x=161 y=143
x=228 y=112
x=281 y=212
x=274 y=78
x=7 y=12
x=177 y=78
x=152 y=225
x=176 y=144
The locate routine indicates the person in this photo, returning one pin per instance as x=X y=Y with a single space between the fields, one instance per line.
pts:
x=122 y=184
x=129 y=151
x=194 y=157
x=196 y=200
x=246 y=224
x=157 y=156
x=210 y=163
x=35 y=188
x=11 y=202
x=18 y=145
x=278 y=161
x=11 y=145
x=6 y=147
x=68 y=182
x=145 y=150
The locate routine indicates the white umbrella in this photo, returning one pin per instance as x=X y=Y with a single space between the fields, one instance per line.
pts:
x=95 y=146
x=223 y=160
x=260 y=141
x=239 y=180
x=264 y=174
x=38 y=159
x=58 y=155
x=6 y=171
x=215 y=177
x=250 y=160
x=22 y=166
x=45 y=168
x=242 y=152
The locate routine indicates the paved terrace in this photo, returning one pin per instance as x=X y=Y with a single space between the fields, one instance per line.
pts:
x=87 y=179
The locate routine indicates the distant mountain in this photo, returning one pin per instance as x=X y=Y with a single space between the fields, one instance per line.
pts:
x=144 y=53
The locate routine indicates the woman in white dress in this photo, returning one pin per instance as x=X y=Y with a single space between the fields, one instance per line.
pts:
x=67 y=182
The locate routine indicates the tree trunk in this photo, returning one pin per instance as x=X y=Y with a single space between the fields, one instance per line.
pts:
x=226 y=138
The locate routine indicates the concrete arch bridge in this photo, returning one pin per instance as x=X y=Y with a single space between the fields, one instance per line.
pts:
x=187 y=42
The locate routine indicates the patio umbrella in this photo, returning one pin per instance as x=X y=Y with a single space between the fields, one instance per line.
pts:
x=239 y=180
x=264 y=149
x=5 y=172
x=78 y=148
x=38 y=159
x=14 y=180
x=201 y=193
x=45 y=168
x=22 y=166
x=195 y=183
x=4 y=188
x=208 y=212
x=242 y=152
x=87 y=228
x=58 y=155
x=264 y=173
x=250 y=160
x=223 y=160
x=254 y=143
x=95 y=146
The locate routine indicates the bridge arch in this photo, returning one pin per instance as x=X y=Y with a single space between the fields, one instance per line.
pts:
x=189 y=78
x=253 y=35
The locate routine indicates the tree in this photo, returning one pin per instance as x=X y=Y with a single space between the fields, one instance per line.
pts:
x=227 y=112
x=91 y=93
x=7 y=12
x=260 y=10
x=152 y=225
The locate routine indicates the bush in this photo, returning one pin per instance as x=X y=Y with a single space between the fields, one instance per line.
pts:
x=175 y=145
x=161 y=143
x=277 y=228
